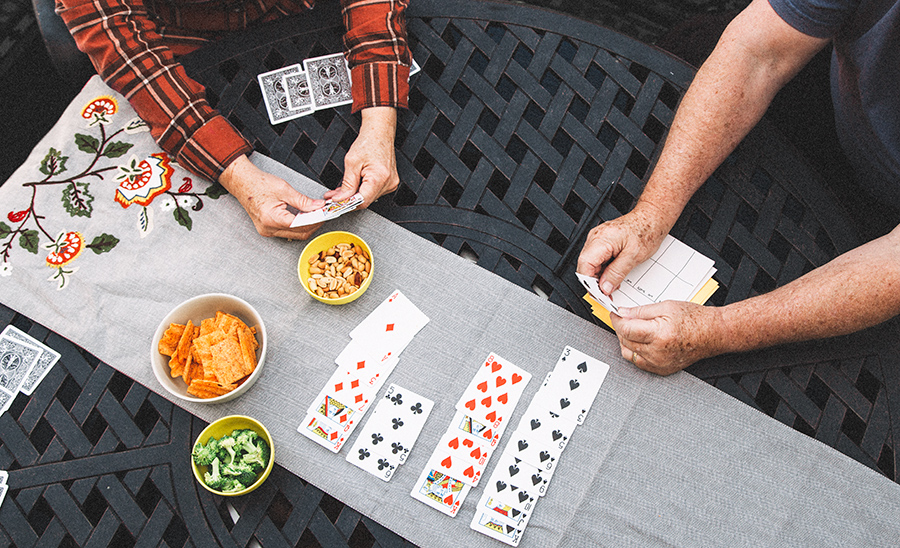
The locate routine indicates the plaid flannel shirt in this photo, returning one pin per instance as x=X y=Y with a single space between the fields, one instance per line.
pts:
x=133 y=44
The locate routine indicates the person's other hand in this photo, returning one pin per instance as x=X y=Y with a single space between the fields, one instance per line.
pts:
x=266 y=198
x=667 y=337
x=370 y=166
x=614 y=248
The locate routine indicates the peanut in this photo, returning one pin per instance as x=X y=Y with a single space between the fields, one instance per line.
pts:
x=339 y=270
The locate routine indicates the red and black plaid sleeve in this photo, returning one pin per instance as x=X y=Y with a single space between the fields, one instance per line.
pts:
x=133 y=59
x=377 y=52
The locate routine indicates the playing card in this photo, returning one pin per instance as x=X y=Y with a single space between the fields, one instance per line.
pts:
x=392 y=325
x=494 y=391
x=296 y=86
x=414 y=67
x=275 y=95
x=592 y=285
x=460 y=456
x=549 y=429
x=45 y=361
x=395 y=424
x=323 y=432
x=16 y=359
x=378 y=464
x=501 y=511
x=522 y=446
x=572 y=388
x=6 y=399
x=513 y=493
x=4 y=475
x=329 y=80
x=466 y=424
x=440 y=491
x=362 y=356
x=489 y=524
x=3 y=488
x=331 y=210
x=520 y=474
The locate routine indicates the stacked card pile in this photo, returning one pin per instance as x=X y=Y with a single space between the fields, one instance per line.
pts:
x=303 y=88
x=674 y=273
x=24 y=362
x=363 y=367
x=458 y=461
x=388 y=436
x=530 y=458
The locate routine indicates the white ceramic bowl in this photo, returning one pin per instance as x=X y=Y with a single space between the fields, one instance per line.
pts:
x=197 y=309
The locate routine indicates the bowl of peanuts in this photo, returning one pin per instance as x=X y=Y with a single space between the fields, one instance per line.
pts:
x=336 y=267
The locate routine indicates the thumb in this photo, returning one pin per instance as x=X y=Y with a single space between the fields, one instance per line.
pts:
x=614 y=273
x=304 y=203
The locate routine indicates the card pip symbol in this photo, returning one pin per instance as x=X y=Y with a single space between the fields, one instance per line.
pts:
x=389 y=327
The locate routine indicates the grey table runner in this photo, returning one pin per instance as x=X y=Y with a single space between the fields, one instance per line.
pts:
x=658 y=462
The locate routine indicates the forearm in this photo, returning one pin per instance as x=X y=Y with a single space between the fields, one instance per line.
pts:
x=858 y=289
x=756 y=55
x=129 y=54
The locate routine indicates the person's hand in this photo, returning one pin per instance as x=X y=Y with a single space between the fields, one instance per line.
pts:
x=667 y=337
x=266 y=198
x=614 y=248
x=370 y=166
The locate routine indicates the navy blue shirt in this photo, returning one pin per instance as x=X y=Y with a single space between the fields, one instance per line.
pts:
x=865 y=81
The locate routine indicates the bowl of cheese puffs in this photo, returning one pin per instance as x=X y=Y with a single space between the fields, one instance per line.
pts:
x=209 y=349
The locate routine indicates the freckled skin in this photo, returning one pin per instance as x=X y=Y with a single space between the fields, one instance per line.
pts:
x=756 y=56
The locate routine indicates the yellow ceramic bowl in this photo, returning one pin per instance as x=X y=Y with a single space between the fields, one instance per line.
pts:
x=323 y=242
x=222 y=427
x=196 y=310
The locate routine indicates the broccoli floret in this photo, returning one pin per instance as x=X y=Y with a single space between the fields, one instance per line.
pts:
x=232 y=486
x=214 y=477
x=203 y=455
x=242 y=472
x=227 y=451
x=257 y=454
x=244 y=438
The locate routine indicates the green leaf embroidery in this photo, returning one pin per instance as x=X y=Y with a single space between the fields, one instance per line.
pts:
x=216 y=190
x=183 y=218
x=53 y=163
x=77 y=200
x=103 y=243
x=116 y=149
x=29 y=240
x=87 y=143
x=4 y=230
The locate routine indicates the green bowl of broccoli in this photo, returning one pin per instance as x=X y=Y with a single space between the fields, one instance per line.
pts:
x=233 y=456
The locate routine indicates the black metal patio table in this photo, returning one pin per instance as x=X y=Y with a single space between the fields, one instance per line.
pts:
x=526 y=128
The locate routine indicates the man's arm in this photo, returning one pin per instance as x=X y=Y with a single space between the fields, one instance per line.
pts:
x=379 y=60
x=859 y=289
x=756 y=55
x=130 y=55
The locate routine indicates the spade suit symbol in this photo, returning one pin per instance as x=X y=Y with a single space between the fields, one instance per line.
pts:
x=535 y=424
x=563 y=403
x=582 y=367
x=573 y=384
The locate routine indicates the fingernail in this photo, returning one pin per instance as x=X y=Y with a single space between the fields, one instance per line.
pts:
x=606 y=288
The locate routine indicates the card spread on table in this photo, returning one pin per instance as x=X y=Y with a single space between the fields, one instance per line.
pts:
x=494 y=391
x=362 y=369
x=385 y=441
x=331 y=210
x=440 y=491
x=526 y=466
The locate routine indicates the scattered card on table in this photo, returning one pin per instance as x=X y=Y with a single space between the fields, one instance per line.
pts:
x=520 y=474
x=329 y=80
x=275 y=96
x=16 y=359
x=489 y=523
x=440 y=491
x=392 y=325
x=546 y=427
x=45 y=361
x=378 y=464
x=296 y=87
